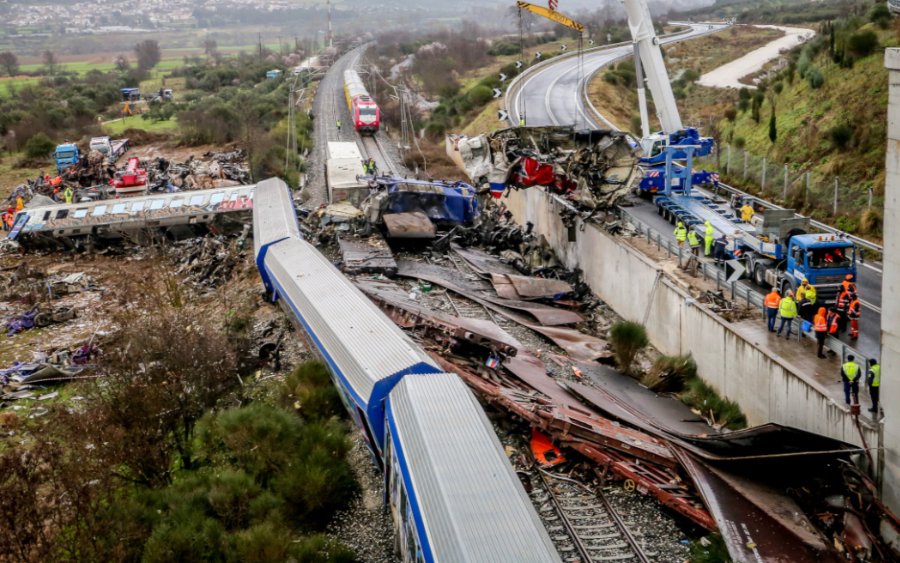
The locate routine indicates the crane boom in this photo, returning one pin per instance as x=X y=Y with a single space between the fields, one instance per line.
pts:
x=552 y=15
x=641 y=27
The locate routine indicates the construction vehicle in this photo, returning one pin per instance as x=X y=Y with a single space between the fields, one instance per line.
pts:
x=109 y=148
x=648 y=56
x=66 y=155
x=776 y=247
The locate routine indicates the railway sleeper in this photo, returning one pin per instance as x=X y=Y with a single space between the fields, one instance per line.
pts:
x=621 y=557
x=600 y=526
x=620 y=545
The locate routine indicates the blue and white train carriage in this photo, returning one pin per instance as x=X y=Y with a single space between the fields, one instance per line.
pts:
x=453 y=494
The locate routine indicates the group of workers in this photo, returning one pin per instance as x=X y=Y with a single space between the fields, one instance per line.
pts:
x=850 y=376
x=712 y=246
x=369 y=167
x=845 y=312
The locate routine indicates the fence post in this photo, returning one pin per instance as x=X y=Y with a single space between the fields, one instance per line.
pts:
x=871 y=191
x=836 y=185
x=746 y=157
x=728 y=159
x=784 y=192
x=763 y=182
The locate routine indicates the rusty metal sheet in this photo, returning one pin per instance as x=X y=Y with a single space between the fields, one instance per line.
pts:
x=482 y=262
x=477 y=331
x=409 y=225
x=371 y=255
x=503 y=286
x=527 y=287
x=444 y=277
x=752 y=532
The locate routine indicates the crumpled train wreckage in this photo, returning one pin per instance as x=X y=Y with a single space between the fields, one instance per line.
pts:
x=595 y=169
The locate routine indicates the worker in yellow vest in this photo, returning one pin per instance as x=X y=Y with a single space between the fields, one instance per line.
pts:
x=850 y=376
x=694 y=242
x=680 y=234
x=873 y=379
x=787 y=308
x=806 y=300
x=708 y=238
x=69 y=193
x=747 y=212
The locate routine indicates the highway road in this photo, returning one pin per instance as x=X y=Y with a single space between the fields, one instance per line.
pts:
x=552 y=94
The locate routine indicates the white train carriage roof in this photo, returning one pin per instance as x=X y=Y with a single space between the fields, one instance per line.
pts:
x=362 y=345
x=464 y=493
x=274 y=217
x=354 y=84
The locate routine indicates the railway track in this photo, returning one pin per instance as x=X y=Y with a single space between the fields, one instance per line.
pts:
x=374 y=149
x=582 y=523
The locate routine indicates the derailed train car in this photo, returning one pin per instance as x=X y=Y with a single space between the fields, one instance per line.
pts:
x=174 y=215
x=453 y=494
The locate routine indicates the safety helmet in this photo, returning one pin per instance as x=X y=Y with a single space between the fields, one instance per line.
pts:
x=680 y=224
x=849 y=277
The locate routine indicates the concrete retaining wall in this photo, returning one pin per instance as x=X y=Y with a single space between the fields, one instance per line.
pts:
x=764 y=385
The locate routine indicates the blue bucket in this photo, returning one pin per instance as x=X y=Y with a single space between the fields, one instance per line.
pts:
x=806 y=326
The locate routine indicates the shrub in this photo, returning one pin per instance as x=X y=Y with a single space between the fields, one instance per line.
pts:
x=310 y=391
x=669 y=373
x=39 y=146
x=503 y=49
x=862 y=43
x=778 y=87
x=704 y=398
x=627 y=339
x=870 y=222
x=731 y=114
x=773 y=128
x=840 y=135
x=690 y=75
x=815 y=78
x=880 y=15
x=319 y=548
x=740 y=142
x=480 y=95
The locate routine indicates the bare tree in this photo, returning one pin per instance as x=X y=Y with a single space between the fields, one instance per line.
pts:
x=10 y=62
x=148 y=54
x=50 y=62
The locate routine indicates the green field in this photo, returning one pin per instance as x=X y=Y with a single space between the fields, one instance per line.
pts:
x=117 y=127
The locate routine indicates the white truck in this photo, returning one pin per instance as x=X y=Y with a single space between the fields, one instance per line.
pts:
x=111 y=149
x=342 y=170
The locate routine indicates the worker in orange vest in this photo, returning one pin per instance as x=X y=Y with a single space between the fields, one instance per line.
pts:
x=847 y=284
x=841 y=306
x=820 y=326
x=833 y=321
x=20 y=203
x=773 y=300
x=853 y=313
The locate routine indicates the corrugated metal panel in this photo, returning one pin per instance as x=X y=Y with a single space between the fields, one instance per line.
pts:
x=470 y=498
x=363 y=344
x=274 y=217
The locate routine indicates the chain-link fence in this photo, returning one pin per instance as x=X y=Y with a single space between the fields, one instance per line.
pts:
x=787 y=185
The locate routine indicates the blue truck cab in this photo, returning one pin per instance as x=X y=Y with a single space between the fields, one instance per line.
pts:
x=823 y=259
x=66 y=155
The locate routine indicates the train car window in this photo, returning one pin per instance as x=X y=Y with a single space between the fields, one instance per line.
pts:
x=157 y=204
x=197 y=200
x=137 y=207
x=80 y=213
x=98 y=211
x=234 y=196
x=118 y=208
x=47 y=216
x=62 y=213
x=176 y=203
x=216 y=198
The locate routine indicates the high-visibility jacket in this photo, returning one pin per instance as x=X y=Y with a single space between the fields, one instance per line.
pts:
x=875 y=376
x=850 y=371
x=810 y=294
x=820 y=323
x=746 y=213
x=773 y=300
x=854 y=310
x=709 y=231
x=848 y=285
x=832 y=323
x=787 y=308
x=20 y=204
x=680 y=234
x=69 y=193
x=693 y=239
x=843 y=302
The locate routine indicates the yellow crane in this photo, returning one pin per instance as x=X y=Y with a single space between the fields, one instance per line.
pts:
x=552 y=15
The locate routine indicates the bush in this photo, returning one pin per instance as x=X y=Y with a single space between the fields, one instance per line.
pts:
x=480 y=95
x=704 y=398
x=840 y=135
x=39 y=146
x=690 y=75
x=669 y=373
x=740 y=142
x=778 y=87
x=880 y=15
x=870 y=222
x=731 y=114
x=815 y=78
x=862 y=43
x=504 y=49
x=627 y=339
x=310 y=391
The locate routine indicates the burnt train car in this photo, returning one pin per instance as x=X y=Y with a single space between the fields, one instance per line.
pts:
x=363 y=109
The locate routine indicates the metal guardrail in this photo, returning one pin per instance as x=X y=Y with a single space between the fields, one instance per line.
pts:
x=738 y=291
